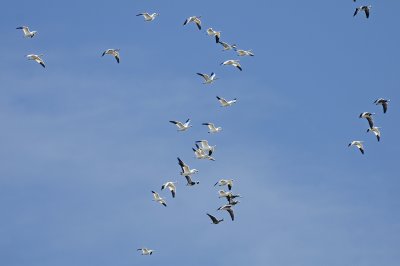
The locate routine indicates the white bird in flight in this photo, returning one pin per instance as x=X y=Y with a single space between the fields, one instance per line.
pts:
x=158 y=199
x=225 y=182
x=212 y=128
x=147 y=16
x=194 y=19
x=227 y=46
x=201 y=154
x=171 y=186
x=212 y=32
x=113 y=52
x=208 y=79
x=376 y=132
x=225 y=103
x=234 y=63
x=358 y=144
x=245 y=53
x=27 y=32
x=366 y=9
x=368 y=116
x=146 y=251
x=37 y=58
x=186 y=171
x=182 y=126
x=383 y=102
x=205 y=146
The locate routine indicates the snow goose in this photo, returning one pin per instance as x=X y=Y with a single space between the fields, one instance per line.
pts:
x=234 y=63
x=146 y=251
x=194 y=19
x=201 y=154
x=182 y=126
x=225 y=103
x=27 y=32
x=227 y=46
x=37 y=58
x=113 y=52
x=147 y=16
x=225 y=182
x=212 y=128
x=158 y=199
x=208 y=79
x=214 y=220
x=171 y=186
x=228 y=195
x=368 y=116
x=186 y=171
x=245 y=53
x=358 y=144
x=190 y=182
x=383 y=102
x=366 y=9
x=205 y=146
x=212 y=32
x=228 y=208
x=376 y=132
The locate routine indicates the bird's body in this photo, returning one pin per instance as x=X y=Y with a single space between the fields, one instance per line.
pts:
x=212 y=128
x=358 y=144
x=194 y=19
x=227 y=46
x=208 y=79
x=36 y=58
x=171 y=186
x=186 y=171
x=158 y=199
x=182 y=126
x=383 y=102
x=113 y=52
x=205 y=146
x=214 y=220
x=148 y=17
x=366 y=10
x=245 y=53
x=225 y=103
x=225 y=182
x=228 y=208
x=27 y=32
x=201 y=154
x=368 y=116
x=146 y=251
x=234 y=63
x=228 y=195
x=376 y=132
x=212 y=32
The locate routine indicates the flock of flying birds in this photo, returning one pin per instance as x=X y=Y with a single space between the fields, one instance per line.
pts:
x=203 y=149
x=372 y=128
x=380 y=101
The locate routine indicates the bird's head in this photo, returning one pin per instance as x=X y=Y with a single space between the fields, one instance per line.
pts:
x=368 y=130
x=195 y=170
x=34 y=33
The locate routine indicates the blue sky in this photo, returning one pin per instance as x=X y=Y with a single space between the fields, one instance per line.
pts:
x=84 y=141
